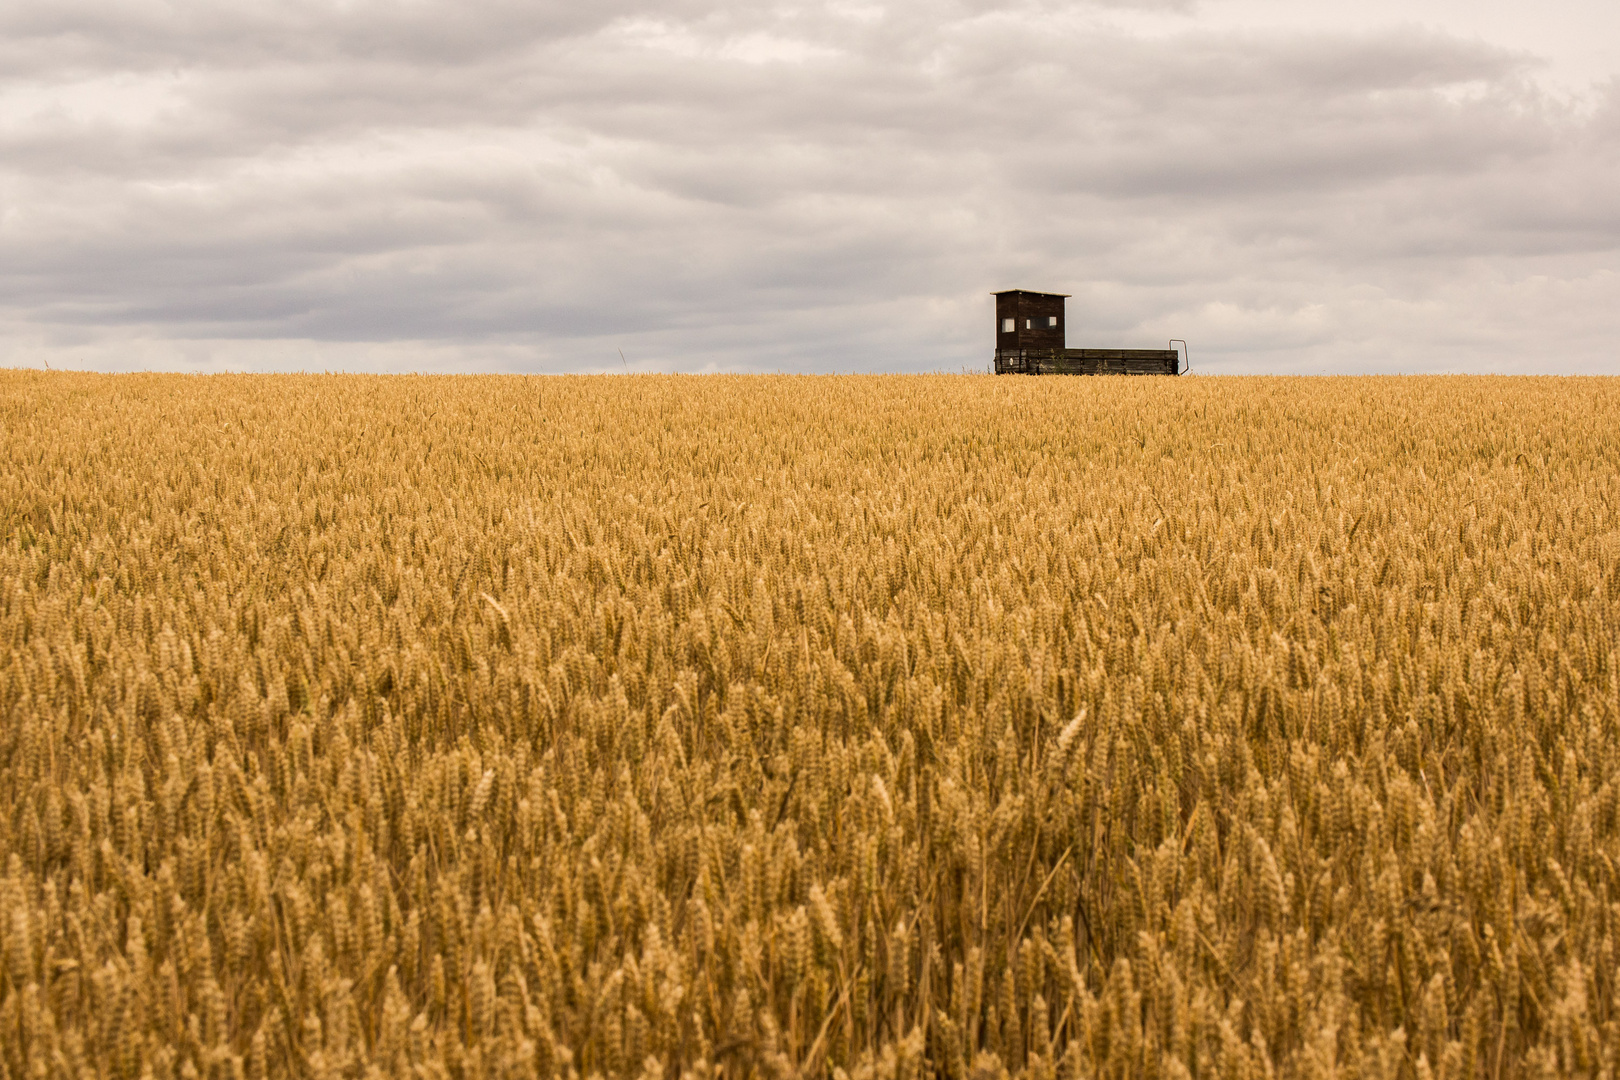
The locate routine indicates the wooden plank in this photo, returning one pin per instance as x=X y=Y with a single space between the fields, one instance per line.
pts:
x=1088 y=362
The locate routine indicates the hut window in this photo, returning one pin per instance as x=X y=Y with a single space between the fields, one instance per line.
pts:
x=1051 y=320
x=1029 y=324
x=1006 y=326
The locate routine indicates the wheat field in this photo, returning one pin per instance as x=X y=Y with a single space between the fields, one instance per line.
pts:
x=786 y=726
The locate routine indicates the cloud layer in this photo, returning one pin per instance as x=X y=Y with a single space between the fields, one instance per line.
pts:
x=489 y=184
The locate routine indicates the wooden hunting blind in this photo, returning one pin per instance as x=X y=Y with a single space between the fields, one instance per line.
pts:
x=1030 y=340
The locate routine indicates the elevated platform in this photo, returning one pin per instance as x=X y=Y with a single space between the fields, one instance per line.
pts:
x=1087 y=362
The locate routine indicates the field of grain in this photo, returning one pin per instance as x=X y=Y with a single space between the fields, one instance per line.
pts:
x=777 y=726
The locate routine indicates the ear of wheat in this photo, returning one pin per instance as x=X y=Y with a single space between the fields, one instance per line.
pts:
x=789 y=726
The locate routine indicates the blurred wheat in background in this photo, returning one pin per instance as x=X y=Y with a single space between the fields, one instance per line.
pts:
x=880 y=726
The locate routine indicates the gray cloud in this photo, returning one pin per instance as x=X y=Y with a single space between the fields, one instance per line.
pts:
x=830 y=188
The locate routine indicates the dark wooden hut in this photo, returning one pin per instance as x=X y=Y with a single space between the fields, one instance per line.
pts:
x=1030 y=340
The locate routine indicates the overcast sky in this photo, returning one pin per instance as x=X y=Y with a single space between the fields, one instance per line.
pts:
x=1291 y=185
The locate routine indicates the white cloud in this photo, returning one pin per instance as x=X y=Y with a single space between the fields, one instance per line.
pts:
x=519 y=186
